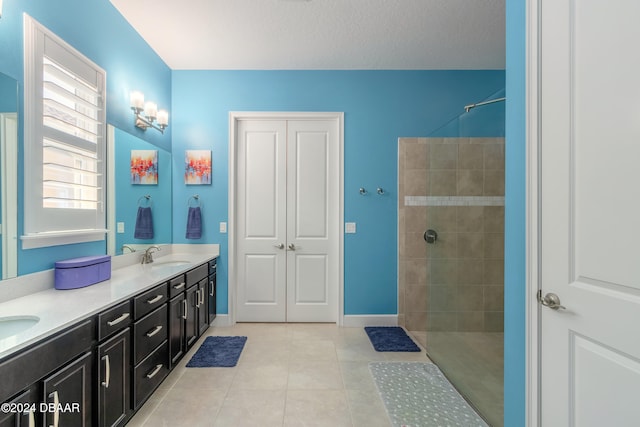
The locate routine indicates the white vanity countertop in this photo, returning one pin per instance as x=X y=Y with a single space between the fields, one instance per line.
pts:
x=58 y=309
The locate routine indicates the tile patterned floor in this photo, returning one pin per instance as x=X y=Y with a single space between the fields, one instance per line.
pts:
x=288 y=375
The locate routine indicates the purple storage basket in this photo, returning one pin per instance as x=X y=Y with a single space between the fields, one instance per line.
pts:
x=80 y=272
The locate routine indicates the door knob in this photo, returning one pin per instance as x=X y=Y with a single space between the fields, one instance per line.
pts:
x=430 y=236
x=292 y=247
x=280 y=246
x=550 y=300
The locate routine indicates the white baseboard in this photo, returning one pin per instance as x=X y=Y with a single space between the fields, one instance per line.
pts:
x=362 y=320
x=221 y=320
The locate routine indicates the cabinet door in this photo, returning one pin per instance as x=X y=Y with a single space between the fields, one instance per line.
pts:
x=113 y=380
x=191 y=334
x=26 y=402
x=67 y=394
x=177 y=317
x=211 y=299
x=202 y=306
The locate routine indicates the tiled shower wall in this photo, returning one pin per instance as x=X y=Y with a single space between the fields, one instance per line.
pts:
x=456 y=187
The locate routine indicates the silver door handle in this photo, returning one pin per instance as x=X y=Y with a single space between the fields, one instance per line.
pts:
x=550 y=300
x=280 y=246
x=184 y=309
x=154 y=299
x=180 y=286
x=291 y=247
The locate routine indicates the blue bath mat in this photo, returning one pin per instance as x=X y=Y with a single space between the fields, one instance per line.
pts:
x=390 y=338
x=218 y=352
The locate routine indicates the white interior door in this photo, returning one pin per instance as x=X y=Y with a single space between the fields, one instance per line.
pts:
x=287 y=220
x=590 y=223
x=312 y=244
x=261 y=220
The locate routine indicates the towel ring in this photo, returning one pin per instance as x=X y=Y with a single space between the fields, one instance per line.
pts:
x=196 y=198
x=147 y=197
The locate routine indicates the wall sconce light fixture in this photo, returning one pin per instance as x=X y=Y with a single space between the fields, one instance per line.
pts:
x=147 y=113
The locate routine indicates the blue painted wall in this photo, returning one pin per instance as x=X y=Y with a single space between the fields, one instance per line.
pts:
x=96 y=29
x=515 y=217
x=379 y=107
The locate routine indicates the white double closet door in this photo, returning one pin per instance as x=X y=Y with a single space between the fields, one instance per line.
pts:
x=287 y=220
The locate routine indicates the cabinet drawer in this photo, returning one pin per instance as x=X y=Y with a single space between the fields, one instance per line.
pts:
x=114 y=320
x=197 y=274
x=150 y=300
x=149 y=374
x=177 y=285
x=149 y=332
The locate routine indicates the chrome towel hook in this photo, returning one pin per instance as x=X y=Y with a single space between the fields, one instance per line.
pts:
x=363 y=191
x=380 y=190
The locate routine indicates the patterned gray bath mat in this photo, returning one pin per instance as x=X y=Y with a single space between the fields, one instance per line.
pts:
x=417 y=394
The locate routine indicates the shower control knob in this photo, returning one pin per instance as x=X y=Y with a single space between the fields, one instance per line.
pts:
x=430 y=236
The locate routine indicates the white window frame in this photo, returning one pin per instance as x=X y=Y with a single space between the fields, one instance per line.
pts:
x=45 y=226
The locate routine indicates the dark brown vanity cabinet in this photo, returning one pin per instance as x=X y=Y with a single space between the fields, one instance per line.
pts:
x=211 y=291
x=67 y=394
x=55 y=376
x=102 y=369
x=113 y=378
x=22 y=410
x=150 y=342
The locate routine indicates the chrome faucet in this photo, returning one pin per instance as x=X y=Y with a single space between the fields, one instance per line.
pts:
x=147 y=258
x=128 y=247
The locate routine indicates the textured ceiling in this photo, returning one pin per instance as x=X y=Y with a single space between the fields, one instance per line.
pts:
x=321 y=34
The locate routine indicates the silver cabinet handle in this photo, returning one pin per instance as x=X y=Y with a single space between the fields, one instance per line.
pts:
x=155 y=371
x=184 y=309
x=212 y=290
x=202 y=294
x=197 y=297
x=107 y=372
x=154 y=331
x=118 y=320
x=154 y=299
x=180 y=286
x=280 y=246
x=56 y=413
x=291 y=247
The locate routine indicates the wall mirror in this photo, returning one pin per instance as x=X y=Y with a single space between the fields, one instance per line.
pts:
x=139 y=180
x=8 y=175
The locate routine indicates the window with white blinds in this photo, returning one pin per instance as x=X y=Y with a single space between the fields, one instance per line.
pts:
x=64 y=142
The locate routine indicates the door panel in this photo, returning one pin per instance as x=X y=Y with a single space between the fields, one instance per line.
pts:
x=590 y=354
x=261 y=221
x=312 y=226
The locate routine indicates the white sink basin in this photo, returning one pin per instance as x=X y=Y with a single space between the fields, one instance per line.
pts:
x=10 y=326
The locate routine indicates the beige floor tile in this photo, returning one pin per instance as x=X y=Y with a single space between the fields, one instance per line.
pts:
x=261 y=376
x=356 y=376
x=143 y=413
x=317 y=408
x=265 y=351
x=252 y=408
x=180 y=407
x=313 y=350
x=314 y=375
x=367 y=409
x=205 y=379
